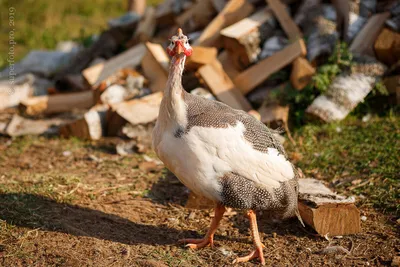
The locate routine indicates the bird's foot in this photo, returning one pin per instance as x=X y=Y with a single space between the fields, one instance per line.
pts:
x=257 y=253
x=197 y=243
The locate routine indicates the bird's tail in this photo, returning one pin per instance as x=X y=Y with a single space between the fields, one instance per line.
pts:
x=298 y=174
x=299 y=217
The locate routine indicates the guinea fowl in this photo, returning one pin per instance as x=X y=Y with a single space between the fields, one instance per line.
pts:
x=223 y=154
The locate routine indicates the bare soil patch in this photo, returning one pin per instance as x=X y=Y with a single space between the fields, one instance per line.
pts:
x=74 y=203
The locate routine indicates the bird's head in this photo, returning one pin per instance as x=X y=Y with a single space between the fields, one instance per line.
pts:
x=179 y=45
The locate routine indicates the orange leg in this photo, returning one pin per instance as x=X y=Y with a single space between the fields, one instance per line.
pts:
x=258 y=252
x=209 y=237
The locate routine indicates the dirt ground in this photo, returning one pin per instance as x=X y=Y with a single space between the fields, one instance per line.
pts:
x=74 y=203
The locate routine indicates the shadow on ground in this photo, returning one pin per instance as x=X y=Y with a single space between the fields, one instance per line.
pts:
x=169 y=190
x=33 y=211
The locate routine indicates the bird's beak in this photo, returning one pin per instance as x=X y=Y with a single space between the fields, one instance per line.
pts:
x=179 y=48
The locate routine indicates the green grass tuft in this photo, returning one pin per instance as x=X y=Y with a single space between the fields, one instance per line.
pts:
x=361 y=157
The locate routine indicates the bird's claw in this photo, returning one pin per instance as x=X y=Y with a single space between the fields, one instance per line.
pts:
x=197 y=243
x=257 y=253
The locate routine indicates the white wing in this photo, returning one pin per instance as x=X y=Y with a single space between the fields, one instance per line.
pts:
x=222 y=150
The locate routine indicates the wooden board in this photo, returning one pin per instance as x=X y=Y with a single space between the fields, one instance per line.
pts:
x=51 y=104
x=132 y=57
x=227 y=64
x=246 y=25
x=387 y=47
x=233 y=11
x=147 y=26
x=165 y=13
x=137 y=111
x=302 y=73
x=222 y=87
x=274 y=114
x=137 y=6
x=392 y=84
x=364 y=41
x=334 y=220
x=255 y=75
x=196 y=17
x=92 y=126
x=201 y=56
x=155 y=66
x=219 y=4
x=285 y=20
x=325 y=211
x=19 y=126
x=11 y=94
x=242 y=39
x=106 y=45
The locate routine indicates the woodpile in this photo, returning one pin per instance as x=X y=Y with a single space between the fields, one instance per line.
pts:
x=238 y=46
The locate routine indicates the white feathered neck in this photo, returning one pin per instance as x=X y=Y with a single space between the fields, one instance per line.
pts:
x=173 y=107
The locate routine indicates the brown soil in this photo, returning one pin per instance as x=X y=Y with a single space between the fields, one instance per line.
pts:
x=91 y=207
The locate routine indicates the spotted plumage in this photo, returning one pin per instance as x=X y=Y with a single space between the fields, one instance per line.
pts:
x=209 y=113
x=223 y=154
x=241 y=193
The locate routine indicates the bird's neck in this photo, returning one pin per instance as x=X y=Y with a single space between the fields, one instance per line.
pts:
x=174 y=84
x=173 y=106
